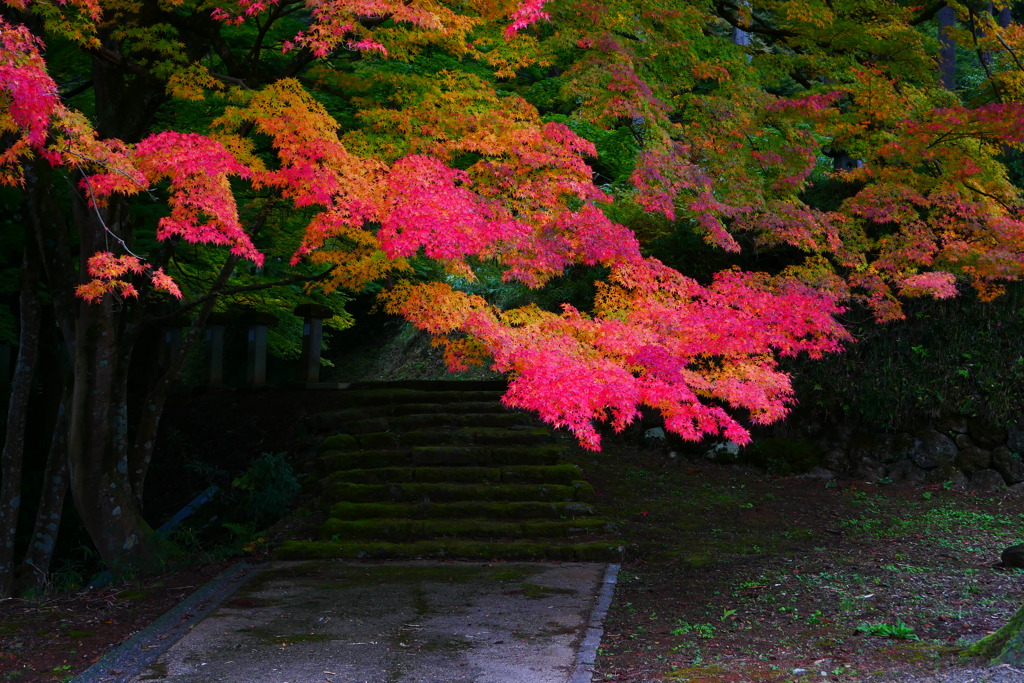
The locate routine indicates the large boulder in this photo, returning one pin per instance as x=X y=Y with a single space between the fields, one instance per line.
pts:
x=1013 y=556
x=861 y=447
x=932 y=449
x=986 y=434
x=838 y=460
x=907 y=472
x=971 y=458
x=869 y=470
x=952 y=424
x=1015 y=437
x=1008 y=464
x=987 y=480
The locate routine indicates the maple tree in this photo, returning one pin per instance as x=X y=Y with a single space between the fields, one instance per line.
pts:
x=507 y=142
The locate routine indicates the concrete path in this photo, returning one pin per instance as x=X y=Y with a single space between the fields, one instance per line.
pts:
x=341 y=622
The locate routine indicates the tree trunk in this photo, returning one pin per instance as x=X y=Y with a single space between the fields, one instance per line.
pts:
x=1004 y=18
x=39 y=555
x=1005 y=646
x=12 y=459
x=947 y=47
x=99 y=478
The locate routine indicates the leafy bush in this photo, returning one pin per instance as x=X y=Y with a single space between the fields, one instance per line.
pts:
x=268 y=488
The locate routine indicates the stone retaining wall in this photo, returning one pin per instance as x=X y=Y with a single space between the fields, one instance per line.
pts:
x=962 y=451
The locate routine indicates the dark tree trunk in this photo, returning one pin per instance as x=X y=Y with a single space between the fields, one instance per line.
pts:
x=99 y=477
x=12 y=459
x=39 y=555
x=1004 y=18
x=947 y=47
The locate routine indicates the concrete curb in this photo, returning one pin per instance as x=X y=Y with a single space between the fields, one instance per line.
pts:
x=586 y=655
x=128 y=659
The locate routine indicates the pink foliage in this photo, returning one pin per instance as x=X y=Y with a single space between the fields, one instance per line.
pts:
x=202 y=204
x=32 y=93
x=529 y=12
x=936 y=283
x=430 y=207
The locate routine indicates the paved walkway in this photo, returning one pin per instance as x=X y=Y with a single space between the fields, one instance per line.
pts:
x=342 y=622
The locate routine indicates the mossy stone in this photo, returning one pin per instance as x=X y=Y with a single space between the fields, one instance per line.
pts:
x=582 y=491
x=468 y=475
x=339 y=442
x=375 y=440
x=376 y=475
x=550 y=474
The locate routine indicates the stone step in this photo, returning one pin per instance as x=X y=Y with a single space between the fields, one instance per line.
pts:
x=596 y=551
x=395 y=395
x=438 y=456
x=481 y=436
x=542 y=454
x=549 y=474
x=517 y=510
x=436 y=422
x=443 y=470
x=403 y=530
x=335 y=419
x=430 y=385
x=579 y=491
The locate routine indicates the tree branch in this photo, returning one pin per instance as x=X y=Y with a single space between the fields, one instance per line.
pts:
x=928 y=12
x=727 y=11
x=294 y=280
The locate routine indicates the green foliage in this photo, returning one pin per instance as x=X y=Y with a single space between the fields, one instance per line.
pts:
x=268 y=488
x=960 y=356
x=617 y=148
x=899 y=630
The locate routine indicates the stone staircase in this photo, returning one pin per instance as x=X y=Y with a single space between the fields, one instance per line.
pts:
x=443 y=470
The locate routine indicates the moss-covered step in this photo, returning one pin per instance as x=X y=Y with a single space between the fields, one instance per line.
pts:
x=334 y=419
x=428 y=421
x=366 y=442
x=529 y=509
x=385 y=529
x=395 y=395
x=444 y=470
x=484 y=436
x=334 y=460
x=445 y=492
x=489 y=386
x=497 y=456
x=600 y=551
x=545 y=474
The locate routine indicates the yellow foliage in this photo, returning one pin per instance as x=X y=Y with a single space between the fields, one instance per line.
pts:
x=192 y=83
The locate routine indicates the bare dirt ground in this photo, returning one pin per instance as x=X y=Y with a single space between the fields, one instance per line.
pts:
x=730 y=575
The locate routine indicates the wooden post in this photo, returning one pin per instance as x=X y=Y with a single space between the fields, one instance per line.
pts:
x=216 y=324
x=256 y=347
x=313 y=316
x=170 y=340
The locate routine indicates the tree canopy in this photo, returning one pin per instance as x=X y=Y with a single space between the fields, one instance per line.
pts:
x=813 y=148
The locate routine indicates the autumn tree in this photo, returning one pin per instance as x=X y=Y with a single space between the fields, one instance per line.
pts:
x=505 y=142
